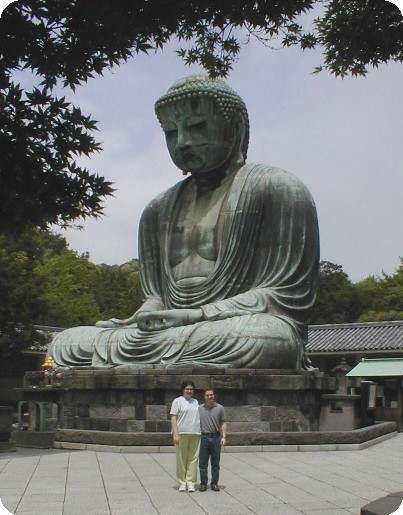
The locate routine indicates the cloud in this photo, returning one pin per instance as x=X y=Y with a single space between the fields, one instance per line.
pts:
x=341 y=137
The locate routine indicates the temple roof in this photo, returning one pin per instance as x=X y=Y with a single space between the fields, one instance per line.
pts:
x=366 y=336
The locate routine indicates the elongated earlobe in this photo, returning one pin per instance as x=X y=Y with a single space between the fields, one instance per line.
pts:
x=240 y=134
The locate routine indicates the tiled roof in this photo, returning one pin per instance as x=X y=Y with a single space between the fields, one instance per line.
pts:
x=368 y=336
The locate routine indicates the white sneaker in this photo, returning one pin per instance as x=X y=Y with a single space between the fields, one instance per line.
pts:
x=191 y=487
x=182 y=488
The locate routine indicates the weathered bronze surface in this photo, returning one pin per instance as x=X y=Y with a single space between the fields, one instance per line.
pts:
x=228 y=256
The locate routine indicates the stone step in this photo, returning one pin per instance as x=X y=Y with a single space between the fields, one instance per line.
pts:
x=356 y=436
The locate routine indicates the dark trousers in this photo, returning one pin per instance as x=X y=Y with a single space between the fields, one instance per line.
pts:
x=210 y=447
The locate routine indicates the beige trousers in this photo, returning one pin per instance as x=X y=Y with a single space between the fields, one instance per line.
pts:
x=187 y=457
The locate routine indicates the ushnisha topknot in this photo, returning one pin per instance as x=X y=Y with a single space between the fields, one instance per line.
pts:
x=193 y=86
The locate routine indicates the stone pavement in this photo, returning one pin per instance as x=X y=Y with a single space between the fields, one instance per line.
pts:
x=67 y=482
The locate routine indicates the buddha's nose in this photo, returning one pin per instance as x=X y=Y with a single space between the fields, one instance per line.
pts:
x=184 y=139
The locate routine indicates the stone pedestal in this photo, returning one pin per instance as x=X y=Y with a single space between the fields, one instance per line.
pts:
x=125 y=400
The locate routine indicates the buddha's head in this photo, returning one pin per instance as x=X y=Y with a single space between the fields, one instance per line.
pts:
x=205 y=123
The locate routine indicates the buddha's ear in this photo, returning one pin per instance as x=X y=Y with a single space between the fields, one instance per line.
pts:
x=240 y=134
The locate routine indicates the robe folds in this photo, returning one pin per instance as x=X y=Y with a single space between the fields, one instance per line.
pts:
x=255 y=302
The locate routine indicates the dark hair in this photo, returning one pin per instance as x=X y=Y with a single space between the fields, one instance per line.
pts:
x=208 y=390
x=187 y=383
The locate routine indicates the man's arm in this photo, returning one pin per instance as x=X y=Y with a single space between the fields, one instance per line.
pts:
x=224 y=434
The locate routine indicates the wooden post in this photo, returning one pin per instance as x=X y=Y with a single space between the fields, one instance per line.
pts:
x=399 y=404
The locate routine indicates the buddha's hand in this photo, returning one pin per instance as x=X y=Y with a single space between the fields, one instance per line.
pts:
x=159 y=320
x=116 y=322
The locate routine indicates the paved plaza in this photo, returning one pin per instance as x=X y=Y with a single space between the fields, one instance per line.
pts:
x=63 y=482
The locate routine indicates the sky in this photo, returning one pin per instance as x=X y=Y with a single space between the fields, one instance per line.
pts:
x=342 y=138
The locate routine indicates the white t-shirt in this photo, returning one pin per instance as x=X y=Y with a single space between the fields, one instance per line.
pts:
x=187 y=415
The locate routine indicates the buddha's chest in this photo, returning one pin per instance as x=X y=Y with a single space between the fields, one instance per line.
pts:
x=195 y=225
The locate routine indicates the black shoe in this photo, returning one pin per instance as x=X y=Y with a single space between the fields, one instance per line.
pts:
x=215 y=488
x=202 y=487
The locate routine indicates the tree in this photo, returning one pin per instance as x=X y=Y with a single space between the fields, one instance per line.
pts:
x=381 y=298
x=67 y=292
x=19 y=292
x=69 y=41
x=337 y=301
x=117 y=290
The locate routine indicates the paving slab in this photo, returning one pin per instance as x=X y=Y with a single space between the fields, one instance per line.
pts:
x=325 y=482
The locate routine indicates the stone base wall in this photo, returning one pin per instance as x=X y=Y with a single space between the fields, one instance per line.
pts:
x=135 y=401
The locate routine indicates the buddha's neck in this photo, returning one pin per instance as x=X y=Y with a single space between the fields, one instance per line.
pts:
x=208 y=181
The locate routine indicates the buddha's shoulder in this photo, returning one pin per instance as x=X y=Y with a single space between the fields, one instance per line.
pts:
x=270 y=177
x=165 y=197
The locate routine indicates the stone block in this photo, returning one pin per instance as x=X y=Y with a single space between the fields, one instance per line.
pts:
x=256 y=398
x=156 y=412
x=99 y=424
x=254 y=382
x=150 y=370
x=287 y=425
x=227 y=382
x=113 y=412
x=131 y=397
x=89 y=381
x=274 y=426
x=127 y=412
x=163 y=426
x=119 y=425
x=202 y=382
x=35 y=439
x=244 y=427
x=184 y=372
x=67 y=423
x=135 y=426
x=83 y=410
x=125 y=381
x=126 y=370
x=82 y=423
x=146 y=382
x=77 y=382
x=102 y=381
x=269 y=413
x=150 y=426
x=243 y=413
x=82 y=372
x=167 y=382
x=240 y=371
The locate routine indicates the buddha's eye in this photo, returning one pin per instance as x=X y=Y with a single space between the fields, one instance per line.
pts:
x=196 y=124
x=170 y=132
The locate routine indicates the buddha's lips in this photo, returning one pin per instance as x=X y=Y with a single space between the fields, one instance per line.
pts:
x=186 y=156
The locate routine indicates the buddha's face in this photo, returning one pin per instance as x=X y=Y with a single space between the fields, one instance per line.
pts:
x=198 y=137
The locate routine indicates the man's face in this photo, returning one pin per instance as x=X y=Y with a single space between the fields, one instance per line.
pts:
x=209 y=396
x=198 y=137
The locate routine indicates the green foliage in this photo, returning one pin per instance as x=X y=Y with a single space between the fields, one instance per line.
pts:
x=69 y=41
x=19 y=288
x=381 y=298
x=374 y=299
x=67 y=281
x=359 y=33
x=337 y=301
x=43 y=282
x=40 y=182
x=117 y=290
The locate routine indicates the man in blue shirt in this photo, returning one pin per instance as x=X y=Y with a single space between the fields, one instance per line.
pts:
x=214 y=433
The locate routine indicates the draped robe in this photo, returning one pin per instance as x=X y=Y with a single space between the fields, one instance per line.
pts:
x=255 y=302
